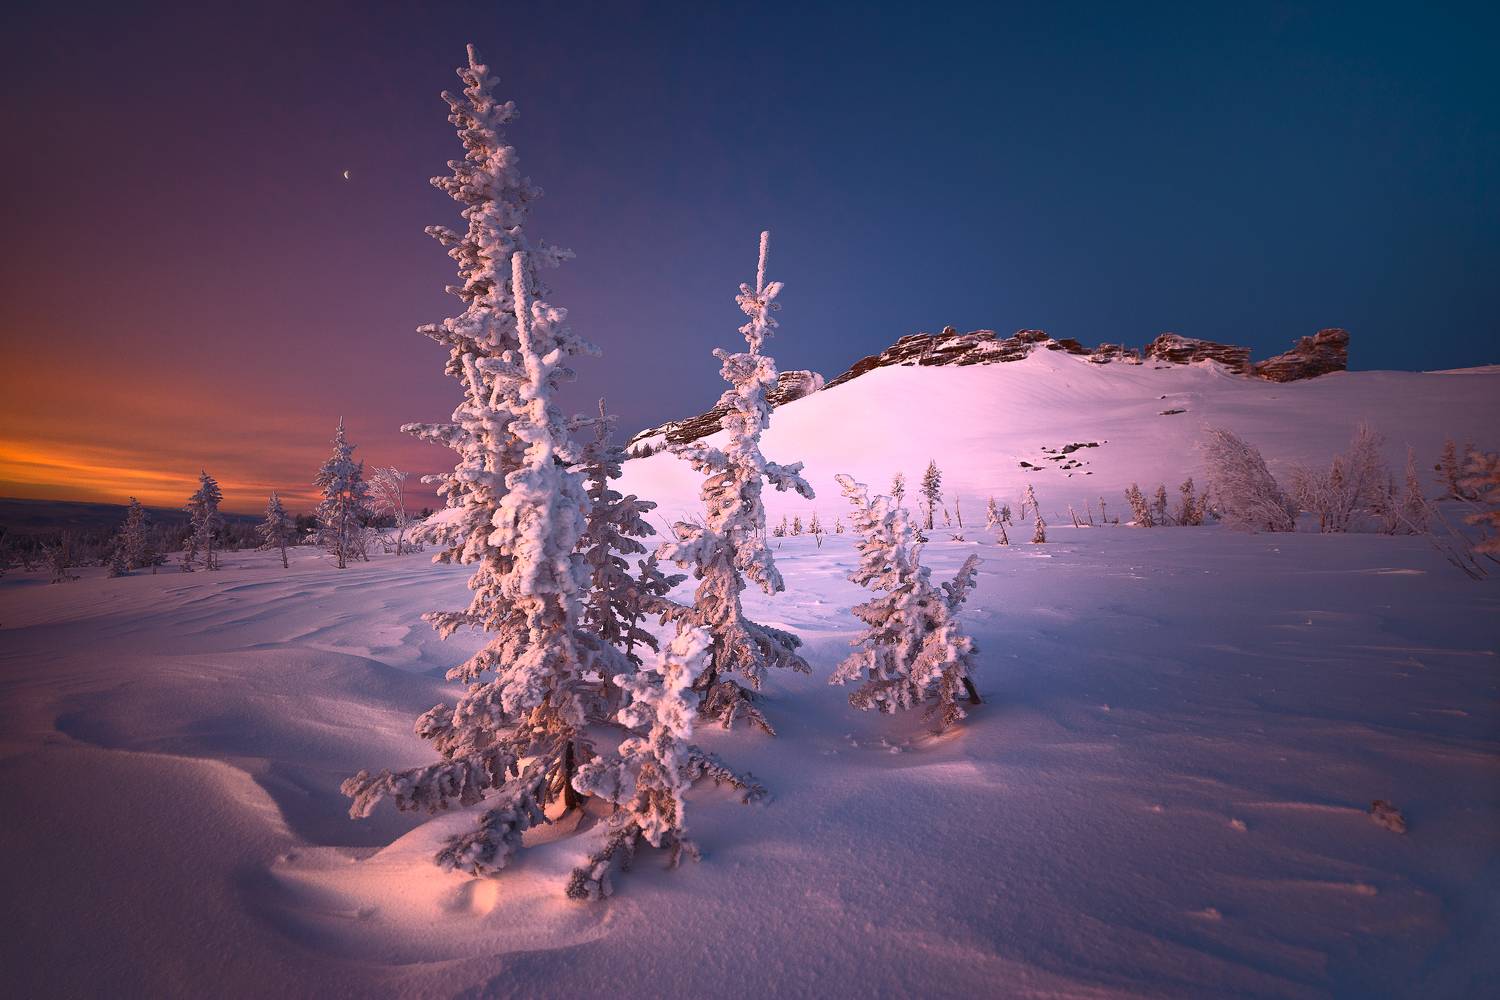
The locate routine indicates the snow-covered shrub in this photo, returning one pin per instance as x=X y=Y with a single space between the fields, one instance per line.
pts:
x=517 y=736
x=1190 y=506
x=1248 y=496
x=346 y=502
x=60 y=559
x=730 y=544
x=1353 y=484
x=1481 y=480
x=913 y=650
x=1452 y=469
x=277 y=528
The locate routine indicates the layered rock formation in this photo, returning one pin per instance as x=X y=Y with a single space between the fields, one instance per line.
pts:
x=1325 y=352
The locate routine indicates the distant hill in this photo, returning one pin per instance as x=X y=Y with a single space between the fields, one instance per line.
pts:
x=32 y=516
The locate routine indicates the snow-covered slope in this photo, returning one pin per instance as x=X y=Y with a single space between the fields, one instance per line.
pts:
x=980 y=422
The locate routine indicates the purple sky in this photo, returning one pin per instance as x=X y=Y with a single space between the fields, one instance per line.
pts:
x=189 y=281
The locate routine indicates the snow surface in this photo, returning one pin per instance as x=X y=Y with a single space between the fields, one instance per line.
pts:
x=1165 y=794
x=980 y=422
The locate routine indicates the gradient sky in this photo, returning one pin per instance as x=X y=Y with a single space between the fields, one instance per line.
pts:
x=189 y=281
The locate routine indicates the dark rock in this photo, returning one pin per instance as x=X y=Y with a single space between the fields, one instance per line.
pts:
x=1324 y=352
x=1180 y=350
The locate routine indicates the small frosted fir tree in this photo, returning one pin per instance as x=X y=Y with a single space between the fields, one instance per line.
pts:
x=1039 y=530
x=1190 y=507
x=730 y=545
x=1246 y=494
x=653 y=768
x=134 y=537
x=838 y=525
x=991 y=514
x=898 y=488
x=797 y=524
x=117 y=565
x=346 y=502
x=932 y=490
x=516 y=737
x=1140 y=512
x=814 y=526
x=913 y=650
x=204 y=520
x=277 y=529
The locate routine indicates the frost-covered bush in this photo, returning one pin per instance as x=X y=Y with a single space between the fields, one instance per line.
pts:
x=1247 y=494
x=913 y=649
x=1353 y=484
x=1140 y=512
x=1481 y=480
x=730 y=544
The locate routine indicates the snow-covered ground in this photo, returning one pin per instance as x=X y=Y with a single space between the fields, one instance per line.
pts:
x=979 y=423
x=1165 y=794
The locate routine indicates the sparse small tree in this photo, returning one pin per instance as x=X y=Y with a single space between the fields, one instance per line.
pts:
x=388 y=497
x=914 y=649
x=1005 y=514
x=780 y=531
x=1159 y=506
x=898 y=488
x=1028 y=502
x=838 y=525
x=60 y=559
x=1402 y=508
x=1004 y=538
x=991 y=514
x=117 y=564
x=1189 y=506
x=1039 y=532
x=797 y=524
x=277 y=529
x=932 y=489
x=1247 y=496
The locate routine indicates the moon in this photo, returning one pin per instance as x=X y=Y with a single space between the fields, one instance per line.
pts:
x=346 y=175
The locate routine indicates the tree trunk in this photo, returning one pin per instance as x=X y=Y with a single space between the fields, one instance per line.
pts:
x=974 y=698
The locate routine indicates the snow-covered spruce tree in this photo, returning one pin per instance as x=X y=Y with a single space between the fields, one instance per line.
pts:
x=133 y=535
x=932 y=489
x=1481 y=480
x=203 y=520
x=1246 y=495
x=814 y=526
x=117 y=565
x=616 y=599
x=346 y=502
x=519 y=733
x=913 y=650
x=796 y=524
x=898 y=488
x=730 y=545
x=838 y=525
x=991 y=514
x=277 y=528
x=516 y=737
x=1039 y=530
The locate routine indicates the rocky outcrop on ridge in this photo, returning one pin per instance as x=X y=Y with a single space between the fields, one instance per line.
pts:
x=1325 y=351
x=1313 y=356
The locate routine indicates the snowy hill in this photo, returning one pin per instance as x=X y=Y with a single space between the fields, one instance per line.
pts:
x=981 y=422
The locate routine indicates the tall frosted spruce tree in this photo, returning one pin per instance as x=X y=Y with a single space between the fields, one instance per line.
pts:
x=730 y=544
x=516 y=737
